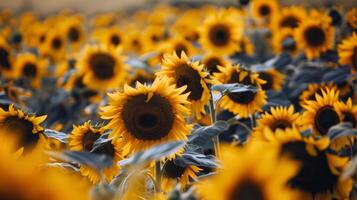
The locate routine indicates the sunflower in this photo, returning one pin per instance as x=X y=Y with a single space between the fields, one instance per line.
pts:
x=141 y=76
x=83 y=137
x=112 y=149
x=147 y=115
x=244 y=103
x=246 y=46
x=348 y=111
x=75 y=32
x=190 y=74
x=75 y=84
x=265 y=10
x=6 y=59
x=313 y=89
x=249 y=173
x=278 y=118
x=320 y=171
x=30 y=67
x=25 y=126
x=111 y=36
x=273 y=78
x=315 y=35
x=179 y=45
x=172 y=172
x=154 y=35
x=54 y=45
x=289 y=17
x=347 y=52
x=320 y=114
x=102 y=68
x=284 y=41
x=134 y=42
x=221 y=33
x=212 y=61
x=351 y=18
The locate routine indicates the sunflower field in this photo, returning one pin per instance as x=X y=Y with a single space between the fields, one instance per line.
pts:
x=181 y=100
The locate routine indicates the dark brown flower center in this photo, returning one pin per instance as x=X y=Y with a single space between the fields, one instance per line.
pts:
x=56 y=43
x=315 y=36
x=107 y=149
x=171 y=170
x=22 y=129
x=88 y=140
x=102 y=65
x=325 y=118
x=150 y=120
x=269 y=80
x=219 y=35
x=179 y=48
x=241 y=97
x=280 y=124
x=290 y=21
x=186 y=75
x=29 y=70
x=350 y=117
x=212 y=63
x=4 y=59
x=73 y=34
x=115 y=40
x=42 y=38
x=354 y=59
x=315 y=175
x=247 y=190
x=264 y=10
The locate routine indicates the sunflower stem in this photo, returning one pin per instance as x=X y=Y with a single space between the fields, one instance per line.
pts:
x=158 y=175
x=213 y=120
x=253 y=120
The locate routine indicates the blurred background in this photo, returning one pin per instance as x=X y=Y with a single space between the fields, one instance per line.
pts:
x=94 y=6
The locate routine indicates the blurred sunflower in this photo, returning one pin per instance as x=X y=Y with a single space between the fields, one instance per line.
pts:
x=278 y=118
x=351 y=18
x=75 y=33
x=54 y=45
x=112 y=149
x=147 y=115
x=172 y=172
x=264 y=10
x=30 y=67
x=320 y=171
x=221 y=33
x=320 y=114
x=102 y=67
x=26 y=127
x=111 y=36
x=153 y=36
x=243 y=103
x=313 y=89
x=134 y=42
x=246 y=46
x=179 y=45
x=315 y=35
x=283 y=41
x=83 y=137
x=289 y=17
x=141 y=76
x=75 y=84
x=183 y=72
x=6 y=58
x=348 y=111
x=273 y=79
x=212 y=61
x=347 y=52
x=249 y=173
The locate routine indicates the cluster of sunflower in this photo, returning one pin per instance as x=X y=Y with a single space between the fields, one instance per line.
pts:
x=251 y=100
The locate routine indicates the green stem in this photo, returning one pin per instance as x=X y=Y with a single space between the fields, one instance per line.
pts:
x=253 y=120
x=158 y=175
x=213 y=120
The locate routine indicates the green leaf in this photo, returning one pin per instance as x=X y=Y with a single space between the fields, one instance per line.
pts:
x=341 y=130
x=196 y=159
x=233 y=88
x=203 y=134
x=60 y=136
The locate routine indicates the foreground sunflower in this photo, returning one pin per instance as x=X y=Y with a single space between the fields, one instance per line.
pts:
x=249 y=173
x=183 y=72
x=83 y=137
x=243 y=103
x=147 y=115
x=319 y=175
x=347 y=52
x=111 y=149
x=315 y=35
x=273 y=78
x=221 y=33
x=278 y=118
x=102 y=68
x=30 y=67
x=173 y=172
x=320 y=114
x=26 y=127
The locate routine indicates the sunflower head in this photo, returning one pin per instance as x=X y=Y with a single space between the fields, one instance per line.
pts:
x=289 y=17
x=315 y=35
x=221 y=33
x=147 y=115
x=273 y=79
x=183 y=72
x=83 y=137
x=348 y=111
x=102 y=68
x=284 y=41
x=26 y=127
x=249 y=173
x=313 y=89
x=243 y=103
x=264 y=9
x=141 y=76
x=74 y=31
x=351 y=18
x=212 y=61
x=347 y=52
x=320 y=114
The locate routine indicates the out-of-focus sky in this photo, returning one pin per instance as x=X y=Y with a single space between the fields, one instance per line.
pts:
x=90 y=6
